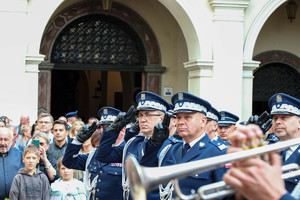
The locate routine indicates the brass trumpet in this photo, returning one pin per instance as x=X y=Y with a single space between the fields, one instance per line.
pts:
x=144 y=179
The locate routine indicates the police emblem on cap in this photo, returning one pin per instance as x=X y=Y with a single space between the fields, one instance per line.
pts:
x=105 y=111
x=279 y=98
x=222 y=113
x=143 y=96
x=180 y=96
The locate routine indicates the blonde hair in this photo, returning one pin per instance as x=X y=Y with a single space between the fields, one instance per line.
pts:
x=59 y=163
x=74 y=125
x=25 y=128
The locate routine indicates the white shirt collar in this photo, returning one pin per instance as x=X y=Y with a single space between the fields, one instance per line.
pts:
x=192 y=143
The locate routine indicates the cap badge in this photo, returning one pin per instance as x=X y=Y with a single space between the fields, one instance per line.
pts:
x=105 y=111
x=180 y=96
x=222 y=113
x=143 y=96
x=279 y=98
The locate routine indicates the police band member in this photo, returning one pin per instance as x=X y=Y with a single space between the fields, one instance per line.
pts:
x=151 y=109
x=191 y=113
x=285 y=111
x=227 y=125
x=103 y=180
x=211 y=126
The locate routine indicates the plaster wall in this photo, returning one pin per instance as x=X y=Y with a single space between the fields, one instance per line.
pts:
x=19 y=88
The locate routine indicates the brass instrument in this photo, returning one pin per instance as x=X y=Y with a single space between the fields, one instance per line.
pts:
x=144 y=179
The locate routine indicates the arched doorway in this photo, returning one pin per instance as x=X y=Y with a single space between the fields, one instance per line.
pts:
x=108 y=58
x=279 y=72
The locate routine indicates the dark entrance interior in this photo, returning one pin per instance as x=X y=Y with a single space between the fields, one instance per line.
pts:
x=88 y=91
x=64 y=92
x=271 y=79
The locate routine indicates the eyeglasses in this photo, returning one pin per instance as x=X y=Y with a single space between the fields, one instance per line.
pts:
x=147 y=115
x=43 y=122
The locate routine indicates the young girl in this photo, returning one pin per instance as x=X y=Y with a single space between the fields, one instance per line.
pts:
x=66 y=187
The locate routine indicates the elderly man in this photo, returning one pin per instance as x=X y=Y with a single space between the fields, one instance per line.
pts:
x=10 y=162
x=151 y=110
x=24 y=120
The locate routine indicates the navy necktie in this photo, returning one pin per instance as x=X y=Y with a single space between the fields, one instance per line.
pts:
x=283 y=154
x=186 y=147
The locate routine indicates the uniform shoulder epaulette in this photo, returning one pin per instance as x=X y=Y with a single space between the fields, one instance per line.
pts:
x=218 y=144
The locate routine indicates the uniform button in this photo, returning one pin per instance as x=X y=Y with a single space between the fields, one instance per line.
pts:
x=296 y=180
x=94 y=167
x=101 y=172
x=94 y=163
x=99 y=180
x=96 y=198
x=196 y=175
x=97 y=190
x=116 y=173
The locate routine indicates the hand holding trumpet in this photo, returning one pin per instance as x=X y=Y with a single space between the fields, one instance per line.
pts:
x=254 y=178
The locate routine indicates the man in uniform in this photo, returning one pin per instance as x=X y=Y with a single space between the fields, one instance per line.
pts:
x=285 y=111
x=190 y=112
x=71 y=118
x=227 y=125
x=151 y=110
x=211 y=126
x=103 y=180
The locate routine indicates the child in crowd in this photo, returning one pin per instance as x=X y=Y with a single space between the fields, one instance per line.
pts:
x=67 y=187
x=30 y=183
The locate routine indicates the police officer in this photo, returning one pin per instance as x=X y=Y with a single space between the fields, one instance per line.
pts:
x=191 y=112
x=227 y=125
x=211 y=126
x=285 y=111
x=103 y=180
x=151 y=110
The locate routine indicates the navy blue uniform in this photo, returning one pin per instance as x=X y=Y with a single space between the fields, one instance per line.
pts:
x=204 y=148
x=291 y=183
x=108 y=182
x=108 y=153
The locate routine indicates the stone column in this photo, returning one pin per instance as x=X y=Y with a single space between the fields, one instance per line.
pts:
x=200 y=78
x=248 y=68
x=228 y=41
x=44 y=91
x=153 y=78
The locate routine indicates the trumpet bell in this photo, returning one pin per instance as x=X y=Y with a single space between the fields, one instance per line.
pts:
x=136 y=183
x=144 y=179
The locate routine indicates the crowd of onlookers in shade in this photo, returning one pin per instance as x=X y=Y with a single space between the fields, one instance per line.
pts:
x=31 y=158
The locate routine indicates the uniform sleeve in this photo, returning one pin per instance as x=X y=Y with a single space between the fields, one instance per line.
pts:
x=129 y=134
x=15 y=188
x=150 y=158
x=72 y=159
x=287 y=196
x=106 y=152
